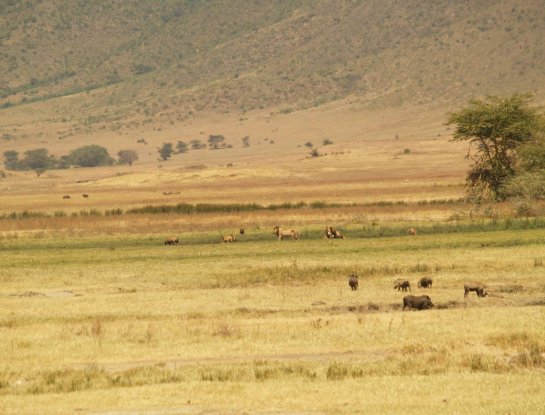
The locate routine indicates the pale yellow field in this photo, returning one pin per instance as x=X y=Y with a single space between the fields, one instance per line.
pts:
x=99 y=316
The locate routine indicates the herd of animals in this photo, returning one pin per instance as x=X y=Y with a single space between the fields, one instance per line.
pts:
x=418 y=302
x=421 y=302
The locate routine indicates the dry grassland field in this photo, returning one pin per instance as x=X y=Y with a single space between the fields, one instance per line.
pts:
x=100 y=316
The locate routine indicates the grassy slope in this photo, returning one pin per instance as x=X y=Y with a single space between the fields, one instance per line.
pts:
x=237 y=56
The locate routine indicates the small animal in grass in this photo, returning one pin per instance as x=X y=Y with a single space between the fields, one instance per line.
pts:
x=353 y=281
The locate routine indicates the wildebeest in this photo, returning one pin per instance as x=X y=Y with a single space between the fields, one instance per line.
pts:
x=285 y=233
x=353 y=281
x=227 y=239
x=332 y=233
x=420 y=302
x=479 y=288
x=412 y=231
x=171 y=240
x=241 y=231
x=66 y=197
x=401 y=284
x=425 y=282
x=85 y=195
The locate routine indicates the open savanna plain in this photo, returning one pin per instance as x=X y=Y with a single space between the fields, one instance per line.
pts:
x=103 y=322
x=99 y=316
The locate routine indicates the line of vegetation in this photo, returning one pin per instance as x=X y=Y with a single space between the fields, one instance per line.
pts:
x=203 y=208
x=53 y=95
x=40 y=160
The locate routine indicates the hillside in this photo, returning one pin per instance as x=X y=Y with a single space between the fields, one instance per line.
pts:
x=176 y=59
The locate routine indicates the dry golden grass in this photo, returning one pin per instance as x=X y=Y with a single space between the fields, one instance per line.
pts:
x=125 y=323
x=102 y=317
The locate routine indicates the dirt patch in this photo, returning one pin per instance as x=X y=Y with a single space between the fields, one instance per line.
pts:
x=509 y=288
x=362 y=308
x=450 y=304
x=28 y=294
x=50 y=294
x=539 y=301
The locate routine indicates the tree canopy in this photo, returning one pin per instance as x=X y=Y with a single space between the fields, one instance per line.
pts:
x=90 y=156
x=127 y=156
x=496 y=129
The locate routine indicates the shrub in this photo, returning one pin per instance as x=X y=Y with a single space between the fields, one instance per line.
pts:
x=127 y=156
x=90 y=156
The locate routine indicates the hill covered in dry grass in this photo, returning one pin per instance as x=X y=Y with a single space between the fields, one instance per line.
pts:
x=175 y=59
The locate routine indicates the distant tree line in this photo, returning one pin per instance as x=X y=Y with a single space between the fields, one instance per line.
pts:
x=40 y=160
x=215 y=142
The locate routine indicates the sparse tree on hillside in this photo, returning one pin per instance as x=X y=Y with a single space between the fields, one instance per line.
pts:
x=11 y=160
x=38 y=160
x=90 y=156
x=165 y=151
x=182 y=147
x=495 y=128
x=197 y=145
x=216 y=141
x=127 y=156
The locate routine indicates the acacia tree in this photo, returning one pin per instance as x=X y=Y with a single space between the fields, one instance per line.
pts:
x=166 y=151
x=495 y=129
x=127 y=156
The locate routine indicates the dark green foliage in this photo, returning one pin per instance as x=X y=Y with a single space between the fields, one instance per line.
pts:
x=165 y=151
x=216 y=142
x=197 y=145
x=90 y=156
x=496 y=128
x=11 y=160
x=181 y=147
x=37 y=159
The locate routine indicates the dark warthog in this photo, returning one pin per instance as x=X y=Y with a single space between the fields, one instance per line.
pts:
x=227 y=238
x=420 y=302
x=241 y=231
x=402 y=285
x=425 y=282
x=286 y=233
x=479 y=288
x=353 y=281
x=173 y=240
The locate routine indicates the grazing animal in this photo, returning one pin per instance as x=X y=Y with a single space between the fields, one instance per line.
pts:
x=241 y=231
x=412 y=231
x=479 y=288
x=402 y=285
x=353 y=281
x=420 y=302
x=227 y=239
x=285 y=233
x=85 y=195
x=66 y=197
x=425 y=282
x=332 y=233
x=172 y=240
